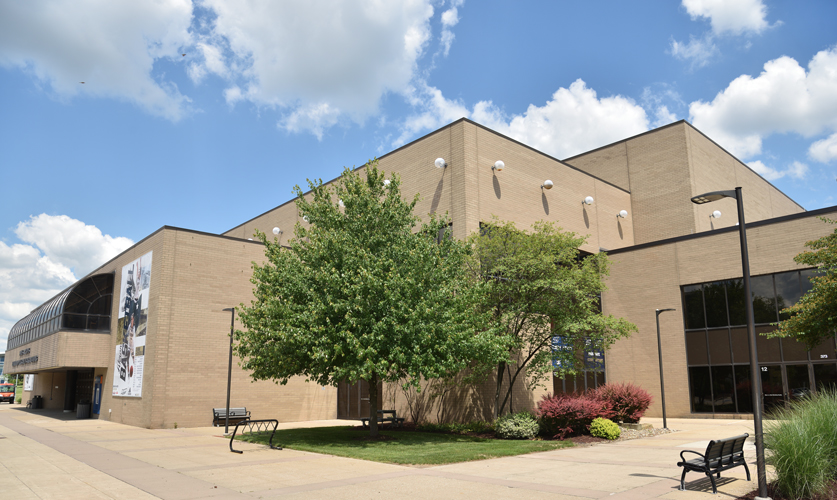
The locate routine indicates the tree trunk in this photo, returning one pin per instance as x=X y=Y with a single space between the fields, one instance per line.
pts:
x=500 y=369
x=373 y=406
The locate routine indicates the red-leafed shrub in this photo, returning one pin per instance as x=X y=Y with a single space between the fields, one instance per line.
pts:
x=567 y=414
x=629 y=402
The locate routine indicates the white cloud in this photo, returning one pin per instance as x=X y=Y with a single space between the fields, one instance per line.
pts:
x=733 y=17
x=32 y=273
x=574 y=121
x=436 y=111
x=824 y=150
x=796 y=170
x=450 y=18
x=319 y=60
x=783 y=98
x=698 y=51
x=110 y=46
x=79 y=246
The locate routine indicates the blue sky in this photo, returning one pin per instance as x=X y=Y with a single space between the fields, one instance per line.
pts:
x=272 y=93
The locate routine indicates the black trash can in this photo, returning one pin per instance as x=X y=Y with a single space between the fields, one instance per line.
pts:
x=83 y=410
x=38 y=402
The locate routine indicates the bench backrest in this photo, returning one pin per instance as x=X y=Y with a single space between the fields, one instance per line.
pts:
x=726 y=449
x=233 y=411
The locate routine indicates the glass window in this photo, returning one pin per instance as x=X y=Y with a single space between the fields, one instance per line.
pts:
x=825 y=376
x=764 y=299
x=700 y=389
x=788 y=291
x=693 y=305
x=824 y=351
x=799 y=384
x=743 y=392
x=722 y=389
x=719 y=351
x=793 y=350
x=768 y=350
x=696 y=348
x=805 y=280
x=740 y=345
x=735 y=300
x=716 y=305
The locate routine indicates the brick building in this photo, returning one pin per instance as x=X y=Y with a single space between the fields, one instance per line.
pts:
x=145 y=336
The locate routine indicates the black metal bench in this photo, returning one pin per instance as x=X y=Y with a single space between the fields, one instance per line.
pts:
x=250 y=426
x=719 y=456
x=219 y=416
x=393 y=419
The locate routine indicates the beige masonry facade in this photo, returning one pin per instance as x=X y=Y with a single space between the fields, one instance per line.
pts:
x=664 y=244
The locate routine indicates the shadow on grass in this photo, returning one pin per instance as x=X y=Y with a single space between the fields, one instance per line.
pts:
x=400 y=447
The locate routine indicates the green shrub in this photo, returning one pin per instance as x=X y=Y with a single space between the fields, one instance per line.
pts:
x=18 y=399
x=802 y=441
x=604 y=428
x=521 y=425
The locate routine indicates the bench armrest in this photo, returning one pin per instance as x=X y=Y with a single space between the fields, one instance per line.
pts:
x=690 y=451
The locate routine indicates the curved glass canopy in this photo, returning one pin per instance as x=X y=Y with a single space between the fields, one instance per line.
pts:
x=85 y=306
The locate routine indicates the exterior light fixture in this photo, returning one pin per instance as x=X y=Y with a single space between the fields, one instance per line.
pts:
x=622 y=214
x=547 y=184
x=440 y=163
x=498 y=166
x=229 y=365
x=588 y=200
x=386 y=182
x=341 y=204
x=716 y=214
x=277 y=231
x=755 y=373
x=305 y=218
x=660 y=355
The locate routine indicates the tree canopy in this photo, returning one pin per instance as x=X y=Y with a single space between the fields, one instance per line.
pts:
x=537 y=286
x=814 y=318
x=360 y=294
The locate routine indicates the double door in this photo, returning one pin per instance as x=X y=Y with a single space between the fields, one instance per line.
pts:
x=781 y=383
x=353 y=399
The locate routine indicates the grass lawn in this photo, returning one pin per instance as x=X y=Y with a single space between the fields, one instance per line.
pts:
x=424 y=448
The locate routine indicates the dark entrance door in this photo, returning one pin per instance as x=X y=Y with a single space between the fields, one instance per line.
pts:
x=772 y=386
x=353 y=399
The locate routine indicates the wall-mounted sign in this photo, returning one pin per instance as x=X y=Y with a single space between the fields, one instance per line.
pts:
x=25 y=361
x=29 y=382
x=132 y=324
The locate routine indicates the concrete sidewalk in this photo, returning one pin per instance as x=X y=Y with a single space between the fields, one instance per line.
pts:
x=44 y=455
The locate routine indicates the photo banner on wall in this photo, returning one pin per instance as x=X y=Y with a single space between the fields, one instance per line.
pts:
x=132 y=325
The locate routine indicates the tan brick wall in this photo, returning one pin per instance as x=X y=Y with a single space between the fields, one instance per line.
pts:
x=647 y=279
x=515 y=194
x=609 y=163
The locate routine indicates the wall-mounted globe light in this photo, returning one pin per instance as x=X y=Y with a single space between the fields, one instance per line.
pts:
x=716 y=214
x=588 y=200
x=277 y=231
x=498 y=166
x=622 y=214
x=440 y=163
x=547 y=184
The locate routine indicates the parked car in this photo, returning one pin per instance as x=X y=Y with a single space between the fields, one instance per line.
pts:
x=7 y=393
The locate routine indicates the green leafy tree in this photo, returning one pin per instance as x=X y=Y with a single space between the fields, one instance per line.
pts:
x=536 y=286
x=814 y=318
x=361 y=295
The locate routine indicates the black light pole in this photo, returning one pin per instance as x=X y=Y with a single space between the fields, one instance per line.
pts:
x=229 y=371
x=660 y=354
x=755 y=375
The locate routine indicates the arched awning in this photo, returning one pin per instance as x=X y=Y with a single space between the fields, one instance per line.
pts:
x=85 y=306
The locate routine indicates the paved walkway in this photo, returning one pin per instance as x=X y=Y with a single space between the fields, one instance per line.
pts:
x=47 y=455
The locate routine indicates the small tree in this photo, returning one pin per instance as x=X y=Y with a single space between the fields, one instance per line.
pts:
x=360 y=295
x=536 y=286
x=814 y=318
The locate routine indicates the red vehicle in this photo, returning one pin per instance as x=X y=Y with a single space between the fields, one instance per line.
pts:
x=7 y=393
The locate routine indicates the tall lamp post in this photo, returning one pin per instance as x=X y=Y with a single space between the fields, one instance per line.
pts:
x=229 y=371
x=660 y=354
x=755 y=375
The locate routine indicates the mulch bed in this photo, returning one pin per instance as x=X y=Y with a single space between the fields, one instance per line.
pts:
x=775 y=494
